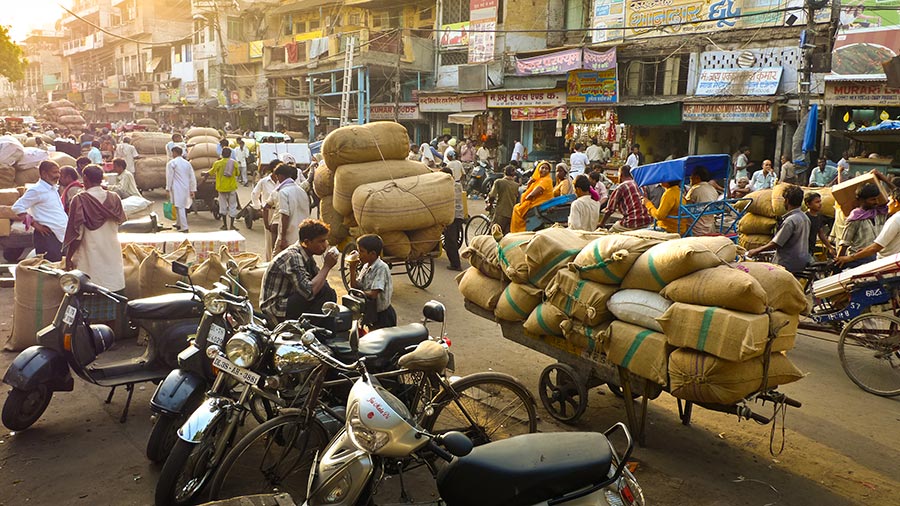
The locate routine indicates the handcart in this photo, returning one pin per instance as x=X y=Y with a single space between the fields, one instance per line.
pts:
x=551 y=212
x=207 y=199
x=419 y=269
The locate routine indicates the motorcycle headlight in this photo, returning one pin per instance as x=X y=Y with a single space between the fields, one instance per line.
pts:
x=70 y=284
x=242 y=350
x=213 y=304
x=364 y=438
x=294 y=358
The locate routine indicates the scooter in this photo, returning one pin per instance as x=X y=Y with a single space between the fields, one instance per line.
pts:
x=579 y=468
x=71 y=344
x=476 y=178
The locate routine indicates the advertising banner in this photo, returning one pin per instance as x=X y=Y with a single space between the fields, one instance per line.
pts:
x=607 y=20
x=871 y=94
x=758 y=81
x=454 y=35
x=559 y=62
x=537 y=113
x=730 y=113
x=528 y=98
x=595 y=60
x=482 y=23
x=859 y=53
x=589 y=87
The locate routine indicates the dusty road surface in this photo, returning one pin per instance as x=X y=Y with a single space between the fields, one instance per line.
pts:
x=841 y=448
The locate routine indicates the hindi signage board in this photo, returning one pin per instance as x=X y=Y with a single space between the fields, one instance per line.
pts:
x=728 y=113
x=589 y=87
x=527 y=98
x=556 y=63
x=757 y=81
x=599 y=61
x=482 y=26
x=439 y=103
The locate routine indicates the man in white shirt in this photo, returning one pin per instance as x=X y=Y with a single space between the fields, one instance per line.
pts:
x=584 y=214
x=742 y=163
x=292 y=205
x=518 y=153
x=764 y=177
x=240 y=153
x=887 y=242
x=181 y=183
x=450 y=149
x=177 y=140
x=634 y=160
x=127 y=152
x=593 y=152
x=454 y=165
x=47 y=215
x=125 y=186
x=578 y=161
x=843 y=166
x=259 y=196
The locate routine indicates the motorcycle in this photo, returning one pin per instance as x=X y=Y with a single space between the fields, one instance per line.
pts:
x=71 y=344
x=476 y=178
x=577 y=468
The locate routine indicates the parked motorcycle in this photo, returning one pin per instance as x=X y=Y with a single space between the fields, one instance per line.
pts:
x=71 y=344
x=476 y=178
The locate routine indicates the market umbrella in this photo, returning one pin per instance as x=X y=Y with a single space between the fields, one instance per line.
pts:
x=810 y=135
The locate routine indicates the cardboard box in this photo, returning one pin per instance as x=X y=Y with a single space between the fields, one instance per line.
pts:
x=8 y=196
x=5 y=226
x=845 y=193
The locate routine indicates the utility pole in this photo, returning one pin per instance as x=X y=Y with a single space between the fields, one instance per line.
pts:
x=399 y=35
x=807 y=46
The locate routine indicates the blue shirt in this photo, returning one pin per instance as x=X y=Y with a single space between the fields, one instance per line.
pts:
x=95 y=156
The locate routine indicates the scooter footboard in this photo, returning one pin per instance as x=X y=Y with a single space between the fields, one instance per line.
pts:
x=176 y=391
x=38 y=365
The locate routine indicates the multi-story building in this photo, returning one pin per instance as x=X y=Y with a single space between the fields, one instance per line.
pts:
x=45 y=71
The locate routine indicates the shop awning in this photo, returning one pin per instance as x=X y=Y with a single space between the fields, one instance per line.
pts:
x=463 y=118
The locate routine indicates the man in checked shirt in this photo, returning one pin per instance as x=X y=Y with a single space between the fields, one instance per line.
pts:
x=626 y=199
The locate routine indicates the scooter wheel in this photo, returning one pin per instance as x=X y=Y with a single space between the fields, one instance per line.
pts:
x=248 y=219
x=23 y=407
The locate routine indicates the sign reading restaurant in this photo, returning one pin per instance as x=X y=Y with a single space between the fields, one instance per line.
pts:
x=527 y=98
x=728 y=113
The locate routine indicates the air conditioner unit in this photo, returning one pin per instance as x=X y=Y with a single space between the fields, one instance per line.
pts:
x=473 y=77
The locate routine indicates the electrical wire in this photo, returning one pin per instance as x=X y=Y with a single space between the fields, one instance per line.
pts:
x=144 y=43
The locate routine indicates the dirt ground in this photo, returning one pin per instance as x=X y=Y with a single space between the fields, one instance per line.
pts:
x=840 y=448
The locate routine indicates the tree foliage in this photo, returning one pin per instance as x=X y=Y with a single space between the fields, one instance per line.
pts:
x=12 y=60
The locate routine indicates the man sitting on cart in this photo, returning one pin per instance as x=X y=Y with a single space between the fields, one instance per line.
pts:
x=626 y=199
x=791 y=241
x=887 y=242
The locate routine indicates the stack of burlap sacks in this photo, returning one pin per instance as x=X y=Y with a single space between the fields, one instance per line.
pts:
x=150 y=124
x=757 y=226
x=150 y=168
x=202 y=144
x=366 y=184
x=63 y=114
x=676 y=311
x=147 y=271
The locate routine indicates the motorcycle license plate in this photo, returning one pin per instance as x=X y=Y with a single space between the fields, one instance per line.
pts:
x=240 y=373
x=69 y=317
x=216 y=334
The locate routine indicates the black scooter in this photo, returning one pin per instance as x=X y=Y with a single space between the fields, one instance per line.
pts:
x=70 y=343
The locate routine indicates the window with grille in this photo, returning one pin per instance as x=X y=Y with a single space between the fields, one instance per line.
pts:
x=455 y=11
x=199 y=32
x=235 y=29
x=454 y=57
x=651 y=78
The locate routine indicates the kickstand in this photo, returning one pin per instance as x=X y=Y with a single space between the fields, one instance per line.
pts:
x=130 y=389
x=404 y=497
x=109 y=397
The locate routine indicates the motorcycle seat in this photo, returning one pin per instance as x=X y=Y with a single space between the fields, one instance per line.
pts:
x=527 y=469
x=386 y=343
x=171 y=306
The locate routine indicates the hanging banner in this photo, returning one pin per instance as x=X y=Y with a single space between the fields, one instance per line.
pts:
x=536 y=113
x=758 y=81
x=482 y=24
x=588 y=87
x=594 y=60
x=454 y=35
x=556 y=63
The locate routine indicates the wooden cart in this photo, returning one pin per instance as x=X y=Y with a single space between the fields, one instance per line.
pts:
x=419 y=270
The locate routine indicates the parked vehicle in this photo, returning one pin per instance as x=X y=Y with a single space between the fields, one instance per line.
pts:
x=476 y=178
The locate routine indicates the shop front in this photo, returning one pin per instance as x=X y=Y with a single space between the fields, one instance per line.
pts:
x=537 y=118
x=456 y=114
x=591 y=97
x=853 y=108
x=405 y=113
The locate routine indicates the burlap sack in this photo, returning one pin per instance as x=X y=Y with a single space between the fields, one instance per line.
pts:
x=642 y=351
x=722 y=286
x=608 y=258
x=150 y=172
x=202 y=164
x=479 y=289
x=251 y=278
x=638 y=307
x=545 y=320
x=784 y=326
x=403 y=204
x=396 y=244
x=203 y=139
x=62 y=159
x=156 y=270
x=150 y=143
x=338 y=231
x=671 y=260
x=727 y=334
x=37 y=298
x=483 y=253
x=380 y=140
x=27 y=176
x=700 y=377
x=198 y=131
x=7 y=176
x=9 y=196
x=511 y=255
x=147 y=122
x=762 y=203
x=756 y=224
x=424 y=240
x=579 y=298
x=323 y=182
x=350 y=177
x=205 y=150
x=753 y=241
x=783 y=291
x=552 y=249
x=6 y=213
x=71 y=119
x=517 y=302
x=584 y=337
x=208 y=272
x=828 y=201
x=132 y=256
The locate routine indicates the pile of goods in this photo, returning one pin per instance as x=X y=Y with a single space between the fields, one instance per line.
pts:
x=150 y=167
x=757 y=227
x=367 y=183
x=63 y=114
x=18 y=167
x=149 y=124
x=202 y=148
x=676 y=311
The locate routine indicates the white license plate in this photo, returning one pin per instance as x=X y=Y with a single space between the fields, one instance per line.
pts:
x=69 y=317
x=240 y=373
x=216 y=334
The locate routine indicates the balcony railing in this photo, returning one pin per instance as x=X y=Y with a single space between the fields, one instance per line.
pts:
x=73 y=46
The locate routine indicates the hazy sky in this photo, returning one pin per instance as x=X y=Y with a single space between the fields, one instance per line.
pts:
x=24 y=15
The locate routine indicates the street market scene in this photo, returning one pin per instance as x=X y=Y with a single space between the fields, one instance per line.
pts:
x=485 y=252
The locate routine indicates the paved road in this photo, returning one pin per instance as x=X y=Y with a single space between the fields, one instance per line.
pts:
x=841 y=448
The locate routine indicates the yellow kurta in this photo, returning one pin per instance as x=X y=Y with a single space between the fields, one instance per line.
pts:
x=669 y=204
x=517 y=224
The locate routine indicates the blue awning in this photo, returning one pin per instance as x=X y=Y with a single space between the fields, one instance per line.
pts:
x=719 y=167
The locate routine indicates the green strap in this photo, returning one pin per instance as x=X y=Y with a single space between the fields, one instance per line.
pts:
x=515 y=307
x=638 y=340
x=570 y=300
x=552 y=264
x=542 y=323
x=501 y=251
x=654 y=272
x=601 y=265
x=589 y=333
x=704 y=328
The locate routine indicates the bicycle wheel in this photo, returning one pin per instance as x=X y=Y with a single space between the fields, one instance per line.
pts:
x=869 y=349
x=485 y=406
x=477 y=225
x=274 y=456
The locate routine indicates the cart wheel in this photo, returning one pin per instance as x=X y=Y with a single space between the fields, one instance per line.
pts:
x=215 y=210
x=12 y=255
x=421 y=271
x=345 y=268
x=563 y=393
x=248 y=219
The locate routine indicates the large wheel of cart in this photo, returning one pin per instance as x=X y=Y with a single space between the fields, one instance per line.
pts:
x=420 y=271
x=345 y=266
x=563 y=392
x=869 y=349
x=213 y=206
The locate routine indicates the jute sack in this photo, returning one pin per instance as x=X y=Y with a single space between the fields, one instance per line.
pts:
x=203 y=139
x=203 y=164
x=338 y=231
x=198 y=131
x=208 y=272
x=424 y=240
x=552 y=249
x=71 y=119
x=396 y=244
x=585 y=337
x=727 y=334
x=350 y=177
x=762 y=203
x=783 y=291
x=700 y=377
x=6 y=213
x=9 y=196
x=579 y=298
x=756 y=224
x=7 y=176
x=784 y=326
x=722 y=286
x=828 y=201
x=607 y=259
x=150 y=172
x=323 y=181
x=642 y=351
x=545 y=320
x=205 y=150
x=670 y=260
x=27 y=176
x=404 y=204
x=251 y=278
x=62 y=159
x=379 y=140
x=511 y=255
x=479 y=289
x=150 y=143
x=517 y=302
x=752 y=241
x=483 y=253
x=132 y=256
x=156 y=270
x=37 y=297
x=638 y=307
x=147 y=122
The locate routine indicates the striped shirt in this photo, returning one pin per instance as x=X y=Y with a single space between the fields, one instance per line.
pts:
x=626 y=199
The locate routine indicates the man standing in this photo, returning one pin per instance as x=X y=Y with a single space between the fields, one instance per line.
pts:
x=467 y=151
x=702 y=191
x=452 y=231
x=127 y=152
x=593 y=151
x=843 y=167
x=293 y=284
x=92 y=240
x=291 y=205
x=68 y=181
x=791 y=241
x=94 y=153
x=636 y=158
x=626 y=199
x=788 y=170
x=47 y=215
x=125 y=186
x=585 y=211
x=177 y=141
x=181 y=185
x=259 y=197
x=226 y=185
x=455 y=166
x=764 y=177
x=578 y=161
x=240 y=155
x=503 y=197
x=742 y=163
x=518 y=153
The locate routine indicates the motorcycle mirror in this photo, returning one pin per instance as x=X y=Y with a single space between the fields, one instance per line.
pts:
x=434 y=311
x=457 y=443
x=180 y=268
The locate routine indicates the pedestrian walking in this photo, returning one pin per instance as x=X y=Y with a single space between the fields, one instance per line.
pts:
x=452 y=231
x=291 y=205
x=225 y=171
x=181 y=184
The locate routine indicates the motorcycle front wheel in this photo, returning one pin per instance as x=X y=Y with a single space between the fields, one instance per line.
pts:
x=188 y=468
x=274 y=456
x=23 y=407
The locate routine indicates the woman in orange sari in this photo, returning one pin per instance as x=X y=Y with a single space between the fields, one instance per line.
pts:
x=538 y=191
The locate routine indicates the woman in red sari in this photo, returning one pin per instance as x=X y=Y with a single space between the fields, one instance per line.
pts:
x=538 y=191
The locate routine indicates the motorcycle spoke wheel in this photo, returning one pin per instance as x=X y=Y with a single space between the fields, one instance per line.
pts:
x=23 y=407
x=869 y=349
x=188 y=469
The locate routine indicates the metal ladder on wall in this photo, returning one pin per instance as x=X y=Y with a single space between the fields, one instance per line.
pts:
x=348 y=81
